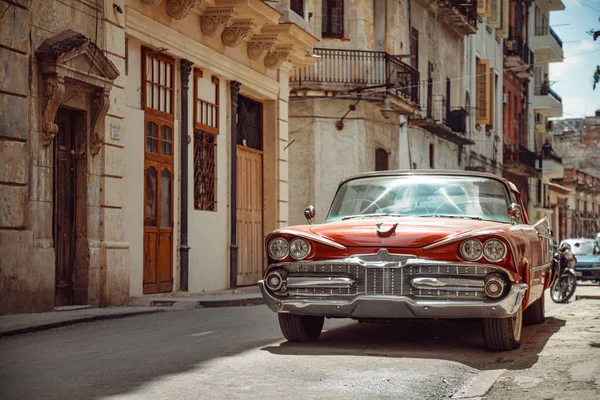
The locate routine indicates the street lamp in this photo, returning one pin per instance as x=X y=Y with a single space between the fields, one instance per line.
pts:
x=387 y=111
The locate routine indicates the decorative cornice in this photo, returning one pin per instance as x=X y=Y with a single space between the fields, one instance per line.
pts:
x=273 y=59
x=237 y=31
x=179 y=9
x=185 y=69
x=54 y=91
x=214 y=20
x=151 y=2
x=99 y=108
x=259 y=45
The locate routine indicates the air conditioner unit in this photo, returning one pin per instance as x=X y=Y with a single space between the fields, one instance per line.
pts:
x=511 y=45
x=505 y=98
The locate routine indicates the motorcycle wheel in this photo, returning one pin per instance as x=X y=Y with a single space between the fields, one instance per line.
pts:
x=563 y=288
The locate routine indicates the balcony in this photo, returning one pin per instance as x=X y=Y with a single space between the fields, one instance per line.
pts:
x=460 y=15
x=552 y=166
x=519 y=160
x=518 y=58
x=546 y=101
x=439 y=119
x=546 y=42
x=340 y=71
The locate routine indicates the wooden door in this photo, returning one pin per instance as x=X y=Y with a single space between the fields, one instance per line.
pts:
x=249 y=201
x=158 y=208
x=64 y=208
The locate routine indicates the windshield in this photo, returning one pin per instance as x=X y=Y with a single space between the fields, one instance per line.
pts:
x=421 y=196
x=583 y=247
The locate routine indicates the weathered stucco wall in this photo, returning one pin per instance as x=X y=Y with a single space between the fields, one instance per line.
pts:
x=488 y=142
x=321 y=155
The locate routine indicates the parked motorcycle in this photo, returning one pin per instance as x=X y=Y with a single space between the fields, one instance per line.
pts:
x=564 y=281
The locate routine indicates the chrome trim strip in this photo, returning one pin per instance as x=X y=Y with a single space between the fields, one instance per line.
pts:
x=314 y=237
x=448 y=284
x=543 y=266
x=412 y=262
x=333 y=282
x=389 y=306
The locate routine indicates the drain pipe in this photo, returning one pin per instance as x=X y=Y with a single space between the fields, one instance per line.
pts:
x=185 y=69
x=234 y=89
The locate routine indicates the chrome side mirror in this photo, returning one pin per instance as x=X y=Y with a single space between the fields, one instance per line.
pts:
x=310 y=213
x=515 y=212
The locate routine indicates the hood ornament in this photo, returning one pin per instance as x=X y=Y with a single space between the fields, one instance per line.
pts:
x=388 y=232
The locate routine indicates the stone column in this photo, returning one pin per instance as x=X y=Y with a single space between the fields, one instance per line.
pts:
x=234 y=88
x=185 y=68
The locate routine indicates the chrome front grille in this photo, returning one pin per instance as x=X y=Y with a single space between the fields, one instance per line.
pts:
x=387 y=281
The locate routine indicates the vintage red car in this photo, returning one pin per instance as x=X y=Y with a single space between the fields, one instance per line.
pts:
x=413 y=244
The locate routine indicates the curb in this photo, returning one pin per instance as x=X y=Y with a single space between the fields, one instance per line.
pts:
x=587 y=297
x=231 y=303
x=58 y=324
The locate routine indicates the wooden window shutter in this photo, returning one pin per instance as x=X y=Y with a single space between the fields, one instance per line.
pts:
x=483 y=92
x=492 y=102
x=483 y=8
x=495 y=13
x=503 y=29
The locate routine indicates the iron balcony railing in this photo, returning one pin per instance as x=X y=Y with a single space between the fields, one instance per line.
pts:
x=359 y=70
x=519 y=154
x=515 y=46
x=468 y=10
x=546 y=30
x=545 y=91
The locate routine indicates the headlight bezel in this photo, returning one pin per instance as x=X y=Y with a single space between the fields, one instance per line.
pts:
x=503 y=253
x=287 y=251
x=299 y=239
x=462 y=252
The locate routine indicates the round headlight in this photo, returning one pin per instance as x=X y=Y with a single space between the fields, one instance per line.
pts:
x=568 y=254
x=471 y=250
x=278 y=249
x=494 y=250
x=299 y=248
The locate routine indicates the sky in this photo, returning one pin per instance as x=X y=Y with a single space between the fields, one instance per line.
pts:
x=573 y=77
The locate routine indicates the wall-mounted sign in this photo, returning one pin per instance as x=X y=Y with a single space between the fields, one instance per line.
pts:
x=115 y=131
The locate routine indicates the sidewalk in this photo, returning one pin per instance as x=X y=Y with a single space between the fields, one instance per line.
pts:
x=15 y=324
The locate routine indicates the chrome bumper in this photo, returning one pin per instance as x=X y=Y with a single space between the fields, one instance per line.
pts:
x=393 y=306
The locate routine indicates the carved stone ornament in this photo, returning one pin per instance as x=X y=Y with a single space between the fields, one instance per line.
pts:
x=70 y=55
x=259 y=45
x=214 y=20
x=179 y=9
x=236 y=32
x=151 y=2
x=274 y=59
x=100 y=104
x=54 y=91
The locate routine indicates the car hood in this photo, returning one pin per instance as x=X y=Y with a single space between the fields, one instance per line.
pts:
x=592 y=259
x=410 y=232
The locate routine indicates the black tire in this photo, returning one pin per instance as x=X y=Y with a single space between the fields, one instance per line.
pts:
x=300 y=328
x=568 y=282
x=535 y=313
x=503 y=334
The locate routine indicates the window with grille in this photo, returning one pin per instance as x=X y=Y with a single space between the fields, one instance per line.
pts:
x=332 y=19
x=205 y=146
x=297 y=6
x=159 y=82
x=206 y=129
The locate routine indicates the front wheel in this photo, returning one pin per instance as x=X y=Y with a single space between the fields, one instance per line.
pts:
x=300 y=328
x=535 y=313
x=503 y=334
x=563 y=288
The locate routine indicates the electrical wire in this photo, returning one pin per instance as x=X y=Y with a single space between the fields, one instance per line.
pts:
x=587 y=5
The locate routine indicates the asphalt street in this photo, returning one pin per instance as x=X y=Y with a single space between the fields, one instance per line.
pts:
x=235 y=353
